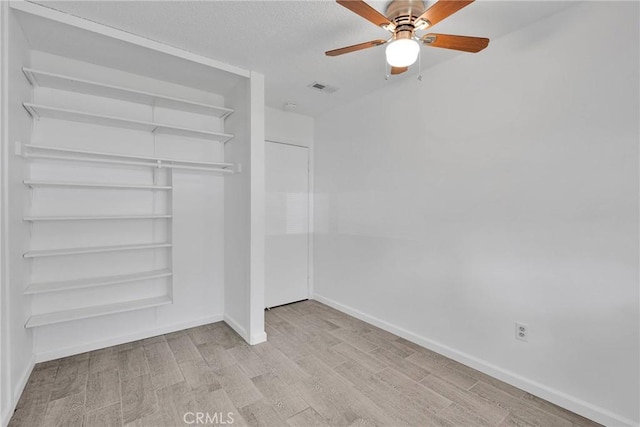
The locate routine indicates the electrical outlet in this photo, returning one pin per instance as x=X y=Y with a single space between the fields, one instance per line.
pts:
x=522 y=331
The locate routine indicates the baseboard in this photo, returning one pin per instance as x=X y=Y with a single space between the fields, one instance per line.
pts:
x=96 y=345
x=258 y=338
x=17 y=392
x=253 y=339
x=236 y=327
x=564 y=400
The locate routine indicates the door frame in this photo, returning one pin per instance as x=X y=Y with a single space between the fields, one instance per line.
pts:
x=310 y=189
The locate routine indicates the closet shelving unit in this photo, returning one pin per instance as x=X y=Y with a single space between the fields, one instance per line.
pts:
x=59 y=81
x=38 y=111
x=38 y=78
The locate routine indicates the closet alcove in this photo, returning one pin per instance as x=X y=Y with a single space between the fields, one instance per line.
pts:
x=134 y=186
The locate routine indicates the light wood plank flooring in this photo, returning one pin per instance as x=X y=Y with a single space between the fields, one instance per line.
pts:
x=319 y=367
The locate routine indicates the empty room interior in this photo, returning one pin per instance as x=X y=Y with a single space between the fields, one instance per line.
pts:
x=320 y=213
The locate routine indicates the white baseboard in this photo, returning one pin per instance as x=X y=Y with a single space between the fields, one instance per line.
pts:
x=236 y=327
x=564 y=400
x=96 y=345
x=253 y=339
x=258 y=338
x=17 y=392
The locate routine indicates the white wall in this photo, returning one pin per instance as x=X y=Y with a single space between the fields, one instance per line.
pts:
x=289 y=127
x=511 y=196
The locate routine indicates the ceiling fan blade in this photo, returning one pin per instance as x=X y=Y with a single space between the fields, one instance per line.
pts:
x=367 y=12
x=398 y=70
x=355 y=47
x=464 y=43
x=441 y=10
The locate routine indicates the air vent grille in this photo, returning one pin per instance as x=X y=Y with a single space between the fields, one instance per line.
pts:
x=324 y=88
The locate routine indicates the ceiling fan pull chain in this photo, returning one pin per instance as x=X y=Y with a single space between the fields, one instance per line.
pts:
x=419 y=66
x=387 y=70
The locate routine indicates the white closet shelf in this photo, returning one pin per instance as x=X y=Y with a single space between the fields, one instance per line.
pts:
x=95 y=311
x=37 y=111
x=91 y=282
x=31 y=183
x=92 y=218
x=124 y=156
x=59 y=81
x=94 y=249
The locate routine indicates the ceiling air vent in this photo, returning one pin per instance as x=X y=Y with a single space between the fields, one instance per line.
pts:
x=321 y=87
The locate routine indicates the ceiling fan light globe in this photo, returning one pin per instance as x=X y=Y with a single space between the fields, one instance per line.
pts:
x=402 y=53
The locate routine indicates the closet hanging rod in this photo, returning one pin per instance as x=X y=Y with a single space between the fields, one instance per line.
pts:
x=107 y=154
x=32 y=183
x=157 y=164
x=88 y=159
x=95 y=217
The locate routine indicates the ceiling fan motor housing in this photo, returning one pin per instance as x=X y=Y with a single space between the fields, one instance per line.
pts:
x=405 y=12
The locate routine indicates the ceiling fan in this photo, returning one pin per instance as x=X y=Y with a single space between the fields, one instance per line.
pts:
x=404 y=18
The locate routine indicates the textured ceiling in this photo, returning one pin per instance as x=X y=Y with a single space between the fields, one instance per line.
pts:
x=286 y=40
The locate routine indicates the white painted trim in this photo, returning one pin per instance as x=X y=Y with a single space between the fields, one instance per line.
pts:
x=96 y=345
x=236 y=327
x=22 y=383
x=564 y=400
x=254 y=339
x=64 y=18
x=312 y=220
x=256 y=206
x=5 y=388
x=258 y=338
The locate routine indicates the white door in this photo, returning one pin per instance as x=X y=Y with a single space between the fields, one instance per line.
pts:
x=287 y=224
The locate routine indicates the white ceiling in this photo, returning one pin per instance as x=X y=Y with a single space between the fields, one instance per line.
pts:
x=286 y=40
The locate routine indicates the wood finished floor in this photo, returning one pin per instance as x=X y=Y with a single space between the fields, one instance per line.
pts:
x=319 y=367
